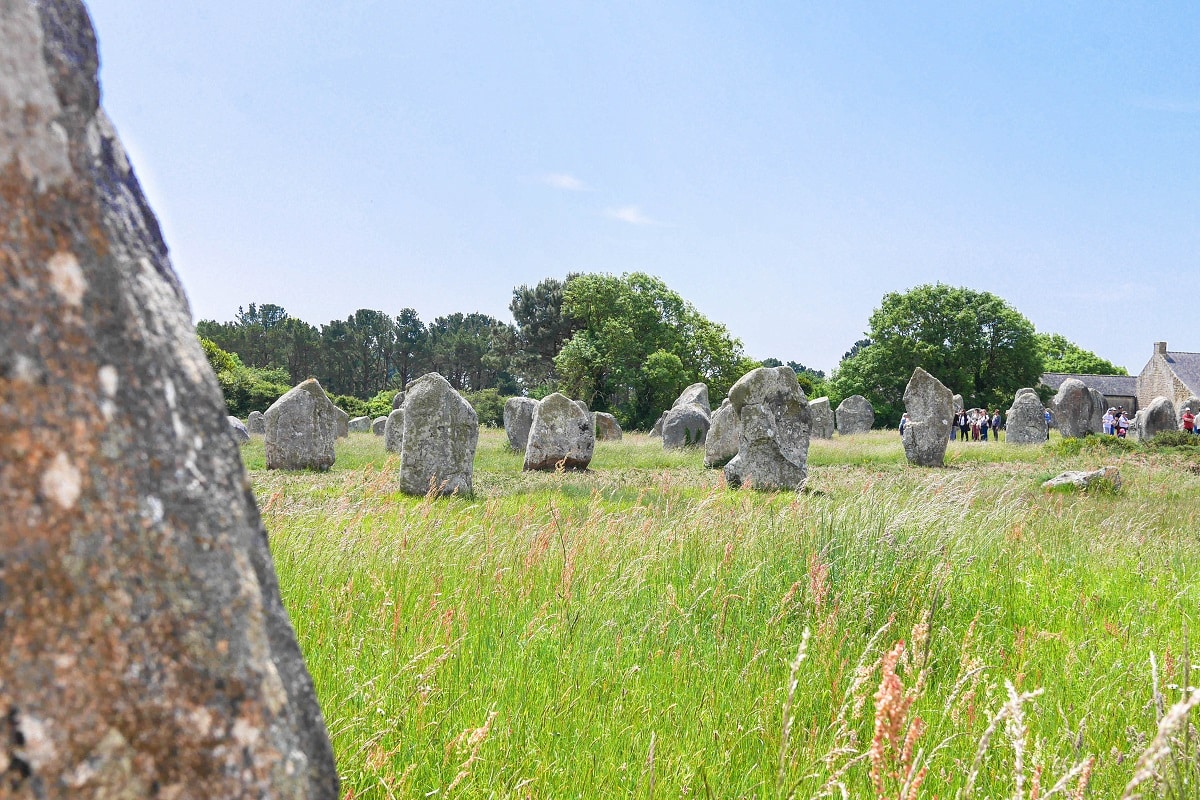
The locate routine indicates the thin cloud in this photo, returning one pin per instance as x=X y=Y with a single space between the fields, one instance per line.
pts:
x=564 y=181
x=630 y=214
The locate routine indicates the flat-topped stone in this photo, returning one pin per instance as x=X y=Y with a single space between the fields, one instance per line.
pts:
x=301 y=428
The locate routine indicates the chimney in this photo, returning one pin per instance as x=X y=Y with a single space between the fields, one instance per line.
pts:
x=1160 y=348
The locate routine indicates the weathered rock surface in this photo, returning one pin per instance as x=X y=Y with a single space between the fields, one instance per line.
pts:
x=724 y=437
x=855 y=415
x=1072 y=409
x=1083 y=480
x=342 y=420
x=378 y=424
x=685 y=426
x=238 y=429
x=930 y=407
x=694 y=395
x=958 y=403
x=582 y=405
x=822 y=418
x=658 y=426
x=301 y=429
x=255 y=424
x=518 y=419
x=146 y=652
x=359 y=425
x=1099 y=406
x=561 y=434
x=607 y=427
x=1155 y=418
x=393 y=431
x=398 y=400
x=440 y=431
x=774 y=425
x=1025 y=422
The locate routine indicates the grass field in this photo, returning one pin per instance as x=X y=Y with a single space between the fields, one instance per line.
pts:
x=642 y=631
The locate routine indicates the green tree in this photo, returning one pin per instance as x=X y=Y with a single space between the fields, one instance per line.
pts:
x=639 y=344
x=1059 y=354
x=542 y=329
x=973 y=342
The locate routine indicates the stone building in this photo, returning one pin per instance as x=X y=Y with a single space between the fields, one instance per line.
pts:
x=1118 y=390
x=1173 y=375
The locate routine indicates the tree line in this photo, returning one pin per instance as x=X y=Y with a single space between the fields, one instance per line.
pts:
x=626 y=344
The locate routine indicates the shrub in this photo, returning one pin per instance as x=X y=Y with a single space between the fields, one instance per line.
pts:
x=1174 y=439
x=489 y=405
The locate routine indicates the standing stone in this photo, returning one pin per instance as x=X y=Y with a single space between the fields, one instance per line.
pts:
x=440 y=431
x=301 y=429
x=1154 y=419
x=607 y=427
x=694 y=395
x=240 y=434
x=658 y=426
x=378 y=424
x=958 y=403
x=774 y=424
x=1099 y=406
x=930 y=407
x=561 y=433
x=685 y=426
x=255 y=424
x=342 y=419
x=145 y=648
x=822 y=418
x=724 y=438
x=393 y=431
x=582 y=405
x=1025 y=422
x=855 y=415
x=359 y=425
x=518 y=418
x=398 y=400
x=1072 y=409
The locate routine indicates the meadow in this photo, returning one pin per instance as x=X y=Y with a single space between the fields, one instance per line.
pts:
x=640 y=630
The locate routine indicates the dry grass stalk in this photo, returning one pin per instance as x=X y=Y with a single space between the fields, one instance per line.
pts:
x=896 y=733
x=1146 y=766
x=793 y=682
x=472 y=739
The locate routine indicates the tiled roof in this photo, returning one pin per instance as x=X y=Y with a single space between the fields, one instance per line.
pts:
x=1187 y=368
x=1107 y=385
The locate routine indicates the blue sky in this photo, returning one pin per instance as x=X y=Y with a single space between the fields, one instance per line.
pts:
x=782 y=165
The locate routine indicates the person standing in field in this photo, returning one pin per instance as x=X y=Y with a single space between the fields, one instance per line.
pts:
x=963 y=425
x=996 y=425
x=1110 y=420
x=1189 y=421
x=903 y=422
x=984 y=424
x=1048 y=419
x=1122 y=425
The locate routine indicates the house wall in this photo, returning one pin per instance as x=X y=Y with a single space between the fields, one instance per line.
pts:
x=1158 y=380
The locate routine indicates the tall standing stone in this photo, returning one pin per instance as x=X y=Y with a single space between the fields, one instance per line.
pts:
x=440 y=432
x=1156 y=418
x=724 y=437
x=145 y=648
x=822 y=418
x=1025 y=422
x=930 y=407
x=958 y=403
x=1072 y=409
x=774 y=425
x=301 y=429
x=562 y=434
x=518 y=417
x=694 y=395
x=255 y=424
x=1099 y=407
x=342 y=421
x=393 y=431
x=855 y=415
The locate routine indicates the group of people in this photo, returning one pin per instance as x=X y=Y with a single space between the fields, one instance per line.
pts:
x=1117 y=422
x=973 y=424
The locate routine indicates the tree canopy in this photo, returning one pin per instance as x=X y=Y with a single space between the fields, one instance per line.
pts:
x=1059 y=354
x=973 y=342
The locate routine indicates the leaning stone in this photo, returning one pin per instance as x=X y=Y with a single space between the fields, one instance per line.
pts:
x=685 y=426
x=377 y=425
x=582 y=405
x=561 y=434
x=930 y=407
x=301 y=429
x=1072 y=409
x=240 y=434
x=855 y=415
x=398 y=400
x=958 y=403
x=658 y=426
x=1154 y=419
x=607 y=427
x=1025 y=422
x=255 y=423
x=518 y=418
x=721 y=444
x=694 y=395
x=822 y=418
x=774 y=424
x=359 y=425
x=146 y=652
x=440 y=432
x=1083 y=480
x=393 y=431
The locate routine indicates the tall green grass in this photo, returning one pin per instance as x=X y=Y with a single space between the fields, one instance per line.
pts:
x=634 y=630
